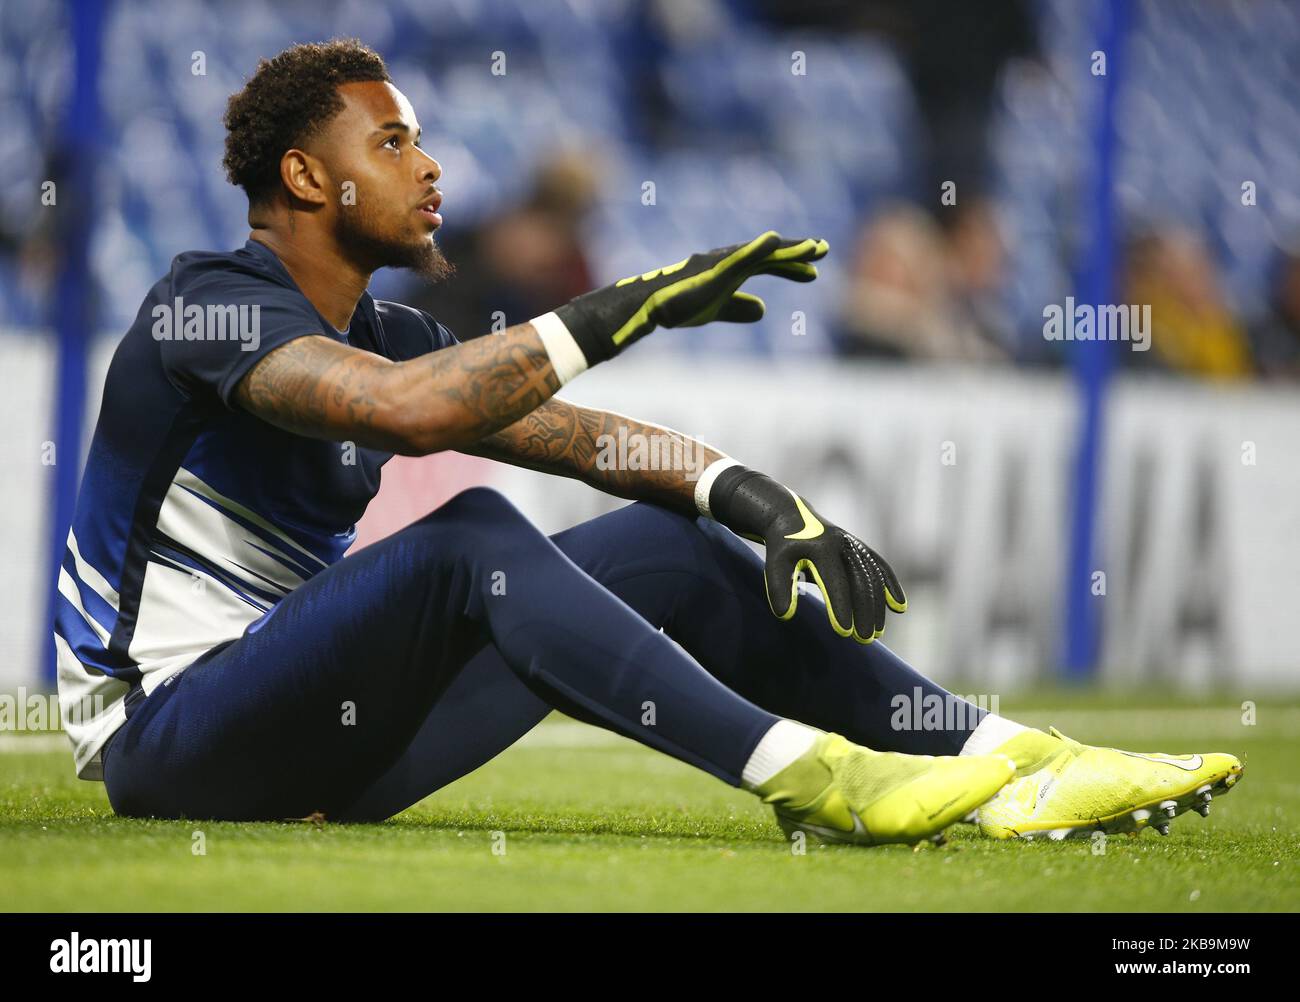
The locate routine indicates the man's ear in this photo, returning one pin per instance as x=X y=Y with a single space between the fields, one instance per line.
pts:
x=304 y=177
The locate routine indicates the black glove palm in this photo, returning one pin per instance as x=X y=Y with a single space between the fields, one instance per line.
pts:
x=857 y=584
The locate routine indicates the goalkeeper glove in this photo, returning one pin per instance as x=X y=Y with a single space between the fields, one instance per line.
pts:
x=855 y=581
x=698 y=290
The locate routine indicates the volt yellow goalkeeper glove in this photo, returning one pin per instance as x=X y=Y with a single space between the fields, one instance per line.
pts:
x=698 y=290
x=858 y=586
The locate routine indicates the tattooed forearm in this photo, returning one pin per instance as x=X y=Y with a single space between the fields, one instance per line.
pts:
x=614 y=453
x=494 y=380
x=444 y=400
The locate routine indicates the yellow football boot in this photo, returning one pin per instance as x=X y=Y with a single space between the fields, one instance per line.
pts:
x=839 y=792
x=1064 y=788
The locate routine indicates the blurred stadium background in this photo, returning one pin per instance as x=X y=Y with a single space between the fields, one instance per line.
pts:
x=1057 y=510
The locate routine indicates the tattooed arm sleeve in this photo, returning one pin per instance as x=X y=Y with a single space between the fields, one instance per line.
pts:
x=447 y=399
x=613 y=453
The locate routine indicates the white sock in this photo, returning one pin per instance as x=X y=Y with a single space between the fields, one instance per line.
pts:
x=991 y=734
x=784 y=742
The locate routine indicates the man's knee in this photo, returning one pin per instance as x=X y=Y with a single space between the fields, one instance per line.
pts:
x=474 y=500
x=688 y=536
x=663 y=529
x=476 y=522
x=643 y=534
x=474 y=509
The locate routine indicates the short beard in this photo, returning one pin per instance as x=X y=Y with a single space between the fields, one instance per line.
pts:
x=424 y=258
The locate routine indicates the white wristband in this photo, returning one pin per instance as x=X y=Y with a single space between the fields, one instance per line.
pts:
x=566 y=357
x=705 y=483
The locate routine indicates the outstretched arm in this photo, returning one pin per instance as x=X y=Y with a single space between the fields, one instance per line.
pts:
x=453 y=398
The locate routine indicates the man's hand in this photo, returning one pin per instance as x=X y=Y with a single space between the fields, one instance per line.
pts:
x=855 y=581
x=698 y=290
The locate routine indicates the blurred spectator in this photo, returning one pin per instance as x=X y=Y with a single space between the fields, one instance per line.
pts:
x=29 y=256
x=913 y=291
x=977 y=261
x=521 y=262
x=1277 y=336
x=1193 y=330
x=702 y=89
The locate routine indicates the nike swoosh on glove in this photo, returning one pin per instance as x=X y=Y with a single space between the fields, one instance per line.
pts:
x=856 y=582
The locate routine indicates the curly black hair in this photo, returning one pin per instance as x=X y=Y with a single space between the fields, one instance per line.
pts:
x=289 y=98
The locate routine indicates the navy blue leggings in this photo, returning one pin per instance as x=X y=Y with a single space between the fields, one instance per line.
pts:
x=413 y=662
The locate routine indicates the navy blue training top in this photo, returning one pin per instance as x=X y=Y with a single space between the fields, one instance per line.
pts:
x=194 y=517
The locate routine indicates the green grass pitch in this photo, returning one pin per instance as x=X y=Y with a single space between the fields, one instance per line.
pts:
x=594 y=822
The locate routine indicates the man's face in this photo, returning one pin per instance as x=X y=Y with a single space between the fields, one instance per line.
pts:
x=389 y=217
